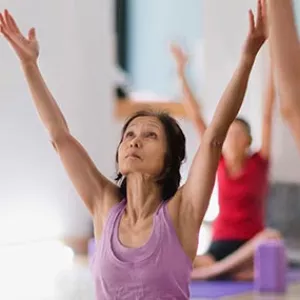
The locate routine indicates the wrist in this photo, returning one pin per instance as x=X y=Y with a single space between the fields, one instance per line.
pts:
x=29 y=64
x=248 y=58
x=181 y=71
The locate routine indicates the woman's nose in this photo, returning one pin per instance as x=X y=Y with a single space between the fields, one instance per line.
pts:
x=135 y=143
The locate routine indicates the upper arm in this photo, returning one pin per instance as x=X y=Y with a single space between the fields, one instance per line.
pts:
x=192 y=107
x=199 y=124
x=265 y=149
x=268 y=111
x=198 y=188
x=293 y=121
x=93 y=188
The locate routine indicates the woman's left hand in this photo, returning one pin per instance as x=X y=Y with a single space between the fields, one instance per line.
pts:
x=257 y=32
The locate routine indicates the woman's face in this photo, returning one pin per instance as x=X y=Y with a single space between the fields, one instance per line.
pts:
x=143 y=147
x=237 y=140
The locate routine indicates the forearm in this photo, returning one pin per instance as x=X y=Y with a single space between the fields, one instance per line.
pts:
x=267 y=117
x=285 y=51
x=191 y=106
x=269 y=97
x=268 y=112
x=232 y=99
x=45 y=104
x=189 y=99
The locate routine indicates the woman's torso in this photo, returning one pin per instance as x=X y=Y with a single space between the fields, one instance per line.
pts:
x=159 y=269
x=241 y=200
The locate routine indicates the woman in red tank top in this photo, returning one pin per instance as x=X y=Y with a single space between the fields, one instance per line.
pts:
x=242 y=184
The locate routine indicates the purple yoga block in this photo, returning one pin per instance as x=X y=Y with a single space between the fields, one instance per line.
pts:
x=270 y=267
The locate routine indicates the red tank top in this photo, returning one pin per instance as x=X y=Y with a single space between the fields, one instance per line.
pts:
x=241 y=200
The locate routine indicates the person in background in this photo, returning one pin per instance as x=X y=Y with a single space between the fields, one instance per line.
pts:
x=242 y=183
x=285 y=57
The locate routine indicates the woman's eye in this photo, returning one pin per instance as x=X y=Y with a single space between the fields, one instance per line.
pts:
x=129 y=134
x=151 y=135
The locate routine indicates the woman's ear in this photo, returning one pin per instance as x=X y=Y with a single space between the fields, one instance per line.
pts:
x=250 y=140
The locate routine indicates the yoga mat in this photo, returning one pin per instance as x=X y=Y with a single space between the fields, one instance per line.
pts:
x=216 y=289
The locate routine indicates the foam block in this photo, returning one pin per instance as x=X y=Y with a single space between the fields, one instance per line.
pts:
x=270 y=267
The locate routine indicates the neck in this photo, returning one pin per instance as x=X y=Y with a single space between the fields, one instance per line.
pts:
x=143 y=196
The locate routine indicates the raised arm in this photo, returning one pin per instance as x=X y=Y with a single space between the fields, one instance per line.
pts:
x=268 y=112
x=93 y=188
x=197 y=191
x=285 y=55
x=189 y=101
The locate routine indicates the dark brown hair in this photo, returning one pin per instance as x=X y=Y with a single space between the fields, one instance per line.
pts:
x=245 y=124
x=170 y=177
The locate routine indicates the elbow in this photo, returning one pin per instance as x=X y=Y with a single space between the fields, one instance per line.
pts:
x=285 y=112
x=59 y=137
x=289 y=111
x=289 y=94
x=58 y=129
x=213 y=139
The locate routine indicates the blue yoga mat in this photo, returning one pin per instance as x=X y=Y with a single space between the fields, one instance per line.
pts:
x=216 y=289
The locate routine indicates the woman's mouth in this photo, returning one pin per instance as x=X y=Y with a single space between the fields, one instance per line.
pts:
x=133 y=155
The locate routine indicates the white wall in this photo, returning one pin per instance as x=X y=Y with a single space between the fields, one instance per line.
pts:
x=77 y=54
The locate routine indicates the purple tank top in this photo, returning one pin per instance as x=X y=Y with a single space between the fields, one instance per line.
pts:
x=159 y=269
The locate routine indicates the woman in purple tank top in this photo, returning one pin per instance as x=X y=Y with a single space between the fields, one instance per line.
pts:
x=146 y=226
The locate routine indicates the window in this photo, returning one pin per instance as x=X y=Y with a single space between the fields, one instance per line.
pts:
x=146 y=72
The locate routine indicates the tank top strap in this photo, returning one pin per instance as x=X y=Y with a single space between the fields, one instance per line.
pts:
x=164 y=217
x=162 y=211
x=171 y=239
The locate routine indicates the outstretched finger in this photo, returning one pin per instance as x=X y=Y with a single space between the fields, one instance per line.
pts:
x=3 y=31
x=14 y=24
x=2 y=21
x=251 y=21
x=259 y=16
x=8 y=21
x=9 y=39
x=32 y=34
x=263 y=7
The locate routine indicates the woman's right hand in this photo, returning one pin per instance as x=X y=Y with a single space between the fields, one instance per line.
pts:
x=27 y=49
x=180 y=57
x=257 y=32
